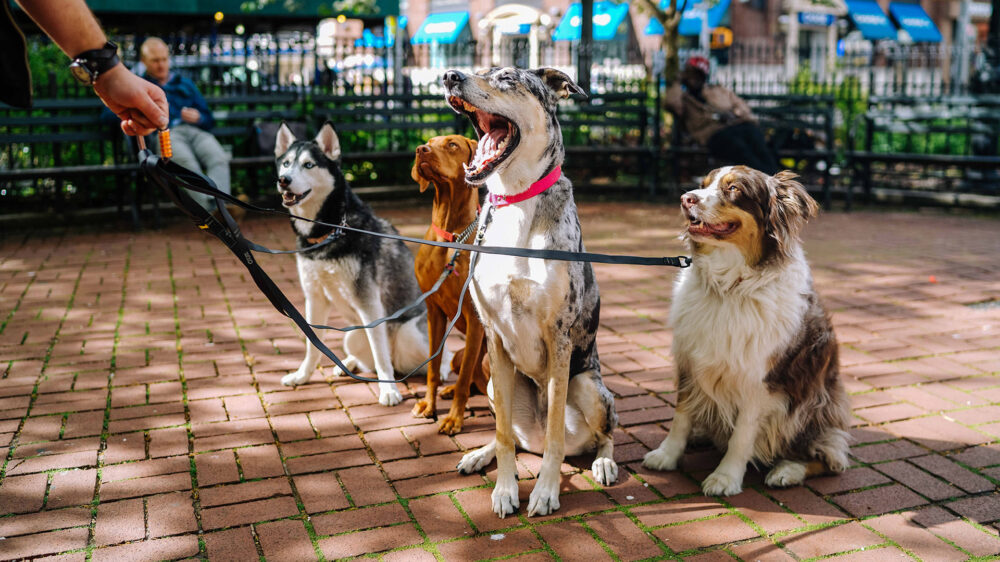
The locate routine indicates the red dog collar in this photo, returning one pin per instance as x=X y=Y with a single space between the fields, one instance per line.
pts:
x=536 y=188
x=448 y=237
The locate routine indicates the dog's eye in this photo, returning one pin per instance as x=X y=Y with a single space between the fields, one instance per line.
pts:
x=734 y=187
x=309 y=165
x=452 y=145
x=284 y=164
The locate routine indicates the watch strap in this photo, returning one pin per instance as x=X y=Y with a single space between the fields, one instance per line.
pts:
x=100 y=60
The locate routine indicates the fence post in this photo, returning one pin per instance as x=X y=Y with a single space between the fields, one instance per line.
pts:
x=656 y=149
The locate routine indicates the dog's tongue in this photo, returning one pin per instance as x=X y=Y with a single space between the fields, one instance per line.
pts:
x=496 y=134
x=705 y=228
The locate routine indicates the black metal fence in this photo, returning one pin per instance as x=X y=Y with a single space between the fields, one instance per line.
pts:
x=897 y=116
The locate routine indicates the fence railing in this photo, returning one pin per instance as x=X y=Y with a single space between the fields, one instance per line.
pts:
x=289 y=60
x=392 y=104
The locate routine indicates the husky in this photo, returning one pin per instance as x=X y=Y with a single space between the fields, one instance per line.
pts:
x=365 y=277
x=540 y=316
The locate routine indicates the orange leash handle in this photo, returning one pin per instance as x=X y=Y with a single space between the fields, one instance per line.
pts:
x=166 y=150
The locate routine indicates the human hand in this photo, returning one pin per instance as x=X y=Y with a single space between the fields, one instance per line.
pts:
x=190 y=115
x=140 y=104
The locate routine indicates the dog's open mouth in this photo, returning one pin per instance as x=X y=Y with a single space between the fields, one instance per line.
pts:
x=290 y=199
x=498 y=137
x=697 y=227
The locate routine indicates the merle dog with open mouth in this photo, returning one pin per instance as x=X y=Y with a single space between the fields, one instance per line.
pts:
x=540 y=316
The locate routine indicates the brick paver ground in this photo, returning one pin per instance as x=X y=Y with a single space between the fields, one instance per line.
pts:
x=142 y=417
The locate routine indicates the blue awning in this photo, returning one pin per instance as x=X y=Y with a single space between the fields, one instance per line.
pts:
x=444 y=27
x=817 y=19
x=369 y=39
x=870 y=19
x=712 y=11
x=608 y=17
x=916 y=22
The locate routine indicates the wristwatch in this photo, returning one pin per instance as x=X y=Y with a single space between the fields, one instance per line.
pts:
x=88 y=65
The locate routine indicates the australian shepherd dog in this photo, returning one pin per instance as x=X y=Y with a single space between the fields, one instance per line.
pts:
x=755 y=352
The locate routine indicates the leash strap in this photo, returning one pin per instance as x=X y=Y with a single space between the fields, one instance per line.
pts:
x=161 y=171
x=197 y=182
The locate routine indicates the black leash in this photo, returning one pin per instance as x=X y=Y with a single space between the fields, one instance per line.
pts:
x=171 y=177
x=196 y=182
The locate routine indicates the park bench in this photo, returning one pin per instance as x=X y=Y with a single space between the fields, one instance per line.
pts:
x=926 y=147
x=607 y=138
x=58 y=147
x=799 y=128
x=61 y=150
x=608 y=141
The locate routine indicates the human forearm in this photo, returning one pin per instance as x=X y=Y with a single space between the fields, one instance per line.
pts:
x=68 y=22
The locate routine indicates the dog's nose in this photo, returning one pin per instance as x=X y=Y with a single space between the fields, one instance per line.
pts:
x=453 y=78
x=284 y=181
x=424 y=148
x=689 y=200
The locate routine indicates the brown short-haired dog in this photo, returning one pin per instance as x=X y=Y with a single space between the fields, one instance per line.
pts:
x=440 y=162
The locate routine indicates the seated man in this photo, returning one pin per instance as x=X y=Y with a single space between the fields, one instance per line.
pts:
x=718 y=119
x=190 y=120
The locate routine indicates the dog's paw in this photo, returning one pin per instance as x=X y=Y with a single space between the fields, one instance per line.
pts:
x=721 y=484
x=605 y=471
x=785 y=474
x=450 y=424
x=474 y=461
x=543 y=500
x=298 y=377
x=351 y=362
x=389 y=395
x=836 y=462
x=447 y=391
x=423 y=409
x=505 y=500
x=658 y=459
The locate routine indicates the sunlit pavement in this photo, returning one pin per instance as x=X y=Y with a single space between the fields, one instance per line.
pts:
x=143 y=415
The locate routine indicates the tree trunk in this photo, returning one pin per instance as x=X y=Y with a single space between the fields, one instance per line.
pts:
x=670 y=19
x=585 y=57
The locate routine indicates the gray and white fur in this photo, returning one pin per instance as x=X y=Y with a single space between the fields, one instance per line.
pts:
x=540 y=316
x=364 y=277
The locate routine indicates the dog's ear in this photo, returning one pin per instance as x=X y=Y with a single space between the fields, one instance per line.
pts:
x=472 y=145
x=790 y=209
x=559 y=82
x=423 y=182
x=283 y=140
x=328 y=141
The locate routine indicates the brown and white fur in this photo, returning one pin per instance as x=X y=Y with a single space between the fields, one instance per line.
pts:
x=541 y=316
x=440 y=163
x=756 y=355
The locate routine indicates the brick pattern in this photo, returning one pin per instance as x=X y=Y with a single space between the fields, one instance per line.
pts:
x=140 y=388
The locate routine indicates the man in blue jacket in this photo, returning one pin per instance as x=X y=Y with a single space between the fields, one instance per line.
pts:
x=190 y=120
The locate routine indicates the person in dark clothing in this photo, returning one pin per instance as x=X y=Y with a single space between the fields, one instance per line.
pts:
x=719 y=119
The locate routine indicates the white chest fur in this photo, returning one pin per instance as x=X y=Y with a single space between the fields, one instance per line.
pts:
x=731 y=320
x=517 y=297
x=335 y=279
